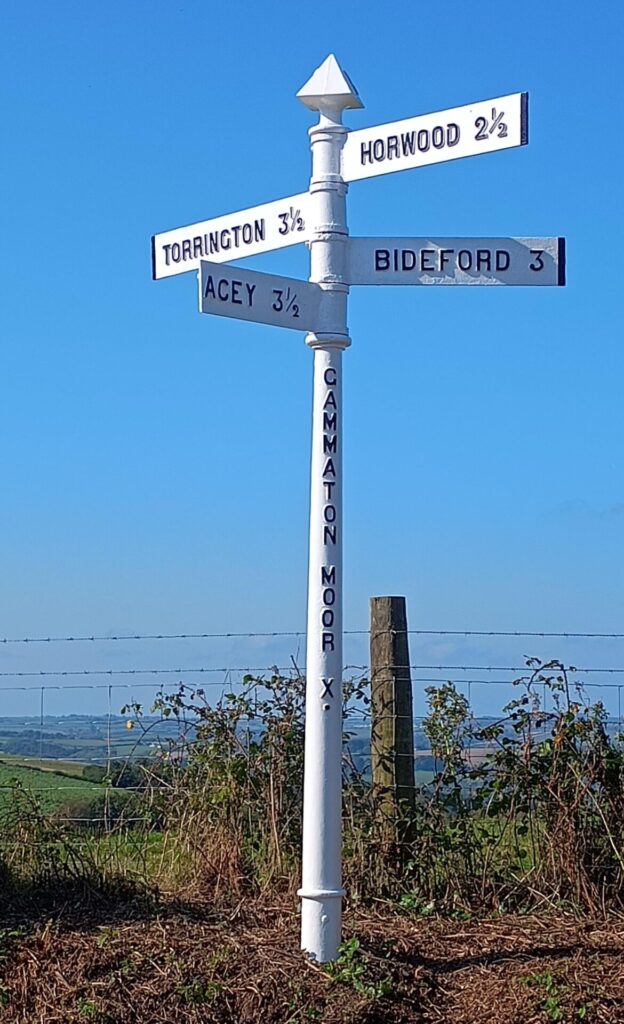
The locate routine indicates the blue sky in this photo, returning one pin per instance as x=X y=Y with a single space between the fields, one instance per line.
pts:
x=155 y=461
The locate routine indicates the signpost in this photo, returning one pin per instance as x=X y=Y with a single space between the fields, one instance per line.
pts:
x=319 y=307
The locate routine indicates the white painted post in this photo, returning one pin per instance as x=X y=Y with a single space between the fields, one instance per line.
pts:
x=329 y=91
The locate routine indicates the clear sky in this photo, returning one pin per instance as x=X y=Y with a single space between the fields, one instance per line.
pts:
x=155 y=461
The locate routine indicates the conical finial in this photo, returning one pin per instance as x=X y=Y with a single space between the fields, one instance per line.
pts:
x=329 y=87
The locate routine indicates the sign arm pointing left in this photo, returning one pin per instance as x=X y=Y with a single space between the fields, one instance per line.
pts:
x=231 y=237
x=262 y=298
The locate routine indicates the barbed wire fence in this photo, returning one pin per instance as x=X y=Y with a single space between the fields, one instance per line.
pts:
x=99 y=734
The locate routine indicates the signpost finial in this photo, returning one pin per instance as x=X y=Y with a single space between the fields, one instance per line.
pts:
x=331 y=87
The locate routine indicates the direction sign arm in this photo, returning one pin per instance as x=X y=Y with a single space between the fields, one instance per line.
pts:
x=456 y=261
x=474 y=128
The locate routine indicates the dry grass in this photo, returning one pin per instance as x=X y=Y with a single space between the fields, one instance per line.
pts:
x=137 y=963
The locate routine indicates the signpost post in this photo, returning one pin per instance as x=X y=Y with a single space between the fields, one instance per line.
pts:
x=319 y=307
x=330 y=93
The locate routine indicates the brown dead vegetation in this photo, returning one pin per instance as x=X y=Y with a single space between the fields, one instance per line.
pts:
x=155 y=964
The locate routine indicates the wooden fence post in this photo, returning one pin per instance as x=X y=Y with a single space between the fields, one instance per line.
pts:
x=392 y=734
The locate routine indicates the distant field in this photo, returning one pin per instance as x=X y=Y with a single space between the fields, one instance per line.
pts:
x=51 y=789
x=44 y=764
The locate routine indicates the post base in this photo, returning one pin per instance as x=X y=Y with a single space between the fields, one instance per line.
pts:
x=321 y=920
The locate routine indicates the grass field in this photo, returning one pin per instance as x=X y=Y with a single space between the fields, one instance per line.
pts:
x=423 y=778
x=44 y=764
x=52 y=789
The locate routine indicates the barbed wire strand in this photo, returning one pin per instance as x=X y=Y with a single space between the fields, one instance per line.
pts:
x=547 y=667
x=93 y=638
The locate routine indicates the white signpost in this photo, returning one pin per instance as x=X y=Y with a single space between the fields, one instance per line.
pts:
x=320 y=308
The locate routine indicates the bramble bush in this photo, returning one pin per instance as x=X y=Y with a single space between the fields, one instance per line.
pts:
x=539 y=817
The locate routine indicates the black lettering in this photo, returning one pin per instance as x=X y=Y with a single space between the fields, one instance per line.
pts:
x=327 y=641
x=393 y=146
x=214 y=241
x=175 y=252
x=167 y=249
x=247 y=236
x=330 y=400
x=329 y=376
x=464 y=259
x=423 y=140
x=444 y=257
x=329 y=513
x=226 y=241
x=210 y=288
x=330 y=444
x=408 y=259
x=382 y=259
x=223 y=295
x=365 y=153
x=503 y=259
x=329 y=596
x=329 y=421
x=379 y=149
x=424 y=255
x=329 y=488
x=328 y=576
x=437 y=137
x=408 y=143
x=236 y=231
x=259 y=229
x=329 y=535
x=327 y=618
x=484 y=260
x=250 y=290
x=198 y=249
x=452 y=134
x=327 y=688
x=330 y=469
x=186 y=249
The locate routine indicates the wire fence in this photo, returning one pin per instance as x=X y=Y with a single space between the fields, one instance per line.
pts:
x=59 y=722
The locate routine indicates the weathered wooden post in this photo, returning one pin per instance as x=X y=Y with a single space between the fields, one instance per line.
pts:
x=392 y=739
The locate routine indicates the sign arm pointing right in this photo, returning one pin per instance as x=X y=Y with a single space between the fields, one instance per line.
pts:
x=470 y=130
x=465 y=261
